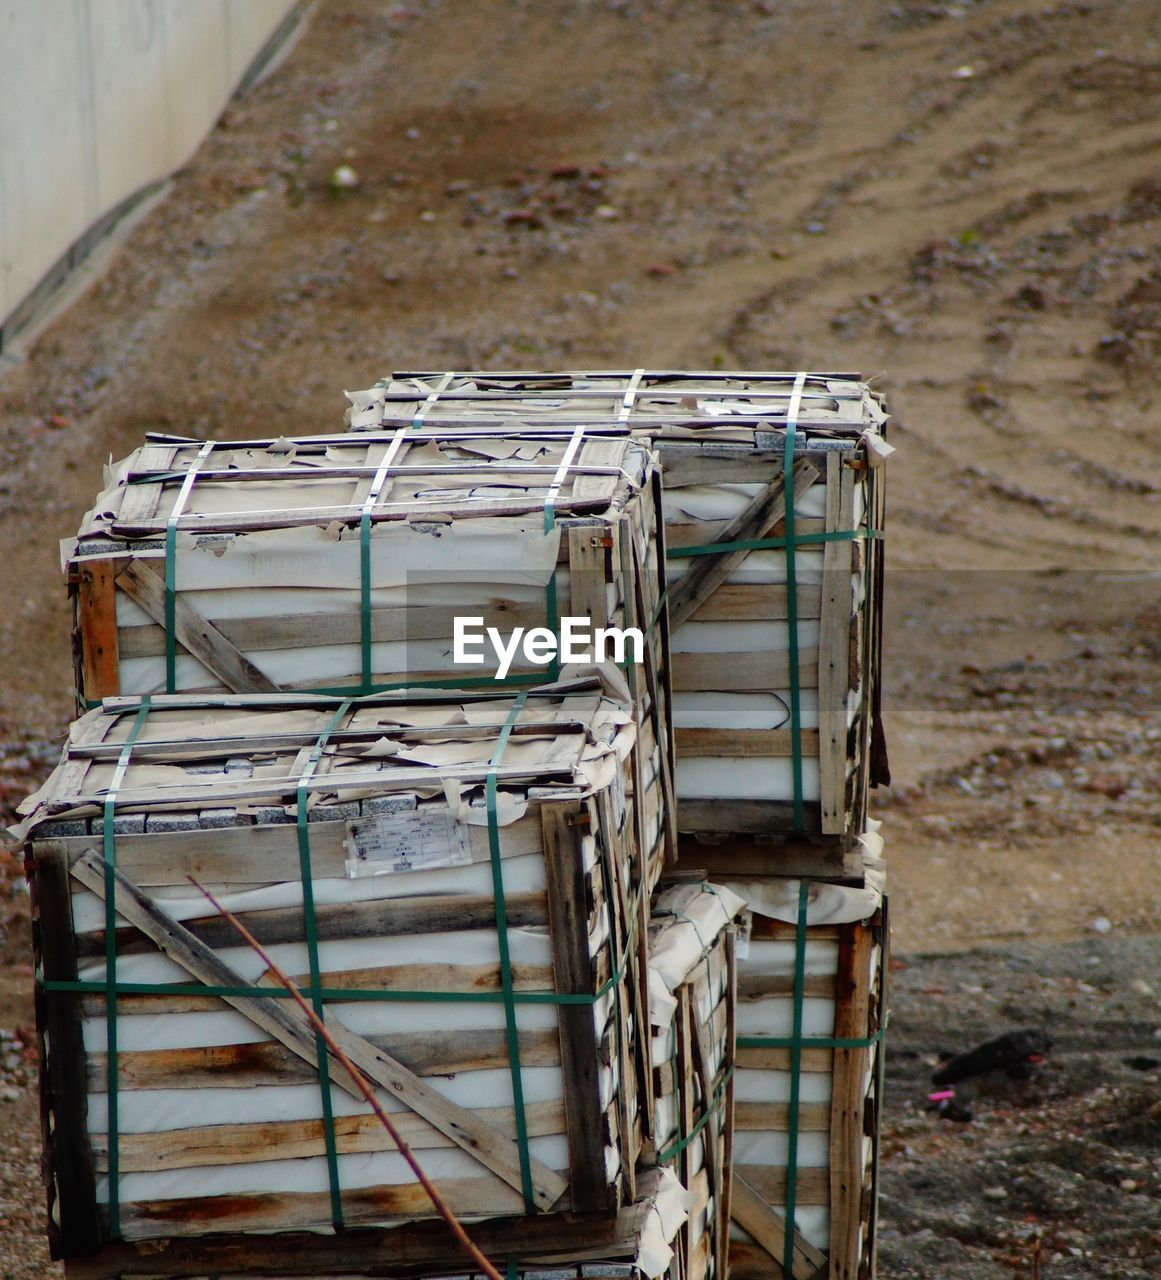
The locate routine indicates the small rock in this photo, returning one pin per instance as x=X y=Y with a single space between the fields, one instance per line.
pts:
x=963 y=73
x=344 y=178
x=995 y=1193
x=606 y=212
x=1129 y=1184
x=1102 y=924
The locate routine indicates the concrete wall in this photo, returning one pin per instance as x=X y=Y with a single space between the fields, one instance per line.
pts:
x=99 y=99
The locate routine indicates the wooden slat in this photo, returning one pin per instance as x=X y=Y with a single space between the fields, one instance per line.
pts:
x=739 y=672
x=746 y=602
x=199 y=637
x=774 y=1117
x=848 y=1094
x=69 y=1160
x=293 y=1029
x=568 y=932
x=761 y=986
x=769 y=1182
x=96 y=616
x=242 y=1066
x=425 y=1248
x=706 y=573
x=313 y=630
x=685 y=463
x=383 y=917
x=768 y=1227
x=813 y=1060
x=463 y=978
x=683 y=532
x=256 y=855
x=834 y=650
x=466 y=1197
x=743 y=743
x=587 y=556
x=208 y=1146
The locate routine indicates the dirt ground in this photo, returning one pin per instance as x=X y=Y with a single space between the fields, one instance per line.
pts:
x=960 y=199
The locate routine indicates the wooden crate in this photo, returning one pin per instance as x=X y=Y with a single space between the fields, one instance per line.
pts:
x=341 y=563
x=692 y=1003
x=633 y=1244
x=778 y=727
x=461 y=881
x=808 y=1088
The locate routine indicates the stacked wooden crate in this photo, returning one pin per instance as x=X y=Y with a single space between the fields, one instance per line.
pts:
x=775 y=609
x=269 y=625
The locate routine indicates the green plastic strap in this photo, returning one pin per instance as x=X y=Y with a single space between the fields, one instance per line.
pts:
x=551 y=604
x=795 y=1078
x=316 y=997
x=513 y=1035
x=377 y=483
x=183 y=493
x=109 y=849
x=792 y=610
x=676 y=1147
x=773 y=544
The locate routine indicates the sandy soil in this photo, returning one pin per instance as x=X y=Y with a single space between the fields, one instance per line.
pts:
x=961 y=199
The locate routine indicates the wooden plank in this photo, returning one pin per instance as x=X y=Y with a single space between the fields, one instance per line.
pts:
x=744 y=671
x=744 y=744
x=768 y=1227
x=404 y=1202
x=848 y=1094
x=712 y=1137
x=820 y=1060
x=425 y=1248
x=764 y=927
x=681 y=532
x=774 y=1117
x=834 y=650
x=383 y=917
x=293 y=1029
x=568 y=932
x=255 y=855
x=731 y=1002
x=200 y=638
x=69 y=1160
x=686 y=463
x=764 y=513
x=657 y=670
x=95 y=607
x=316 y=630
x=761 y=986
x=746 y=602
x=462 y=978
x=588 y=554
x=759 y=842
x=208 y=1146
x=242 y=1066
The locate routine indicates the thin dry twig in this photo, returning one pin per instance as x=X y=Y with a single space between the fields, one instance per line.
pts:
x=365 y=1088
